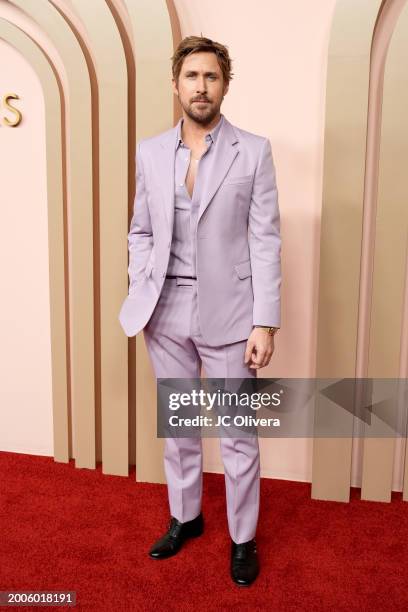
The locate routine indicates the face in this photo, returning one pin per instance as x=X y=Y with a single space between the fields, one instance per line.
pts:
x=201 y=87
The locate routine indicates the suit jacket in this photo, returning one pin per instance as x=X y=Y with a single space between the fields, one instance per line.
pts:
x=238 y=239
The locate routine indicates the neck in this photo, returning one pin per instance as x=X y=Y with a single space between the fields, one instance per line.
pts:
x=195 y=132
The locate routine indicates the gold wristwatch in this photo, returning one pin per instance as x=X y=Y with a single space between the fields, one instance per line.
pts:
x=271 y=330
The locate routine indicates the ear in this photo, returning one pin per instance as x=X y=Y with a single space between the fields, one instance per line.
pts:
x=175 y=91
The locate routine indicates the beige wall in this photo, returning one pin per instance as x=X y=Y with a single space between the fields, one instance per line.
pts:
x=25 y=354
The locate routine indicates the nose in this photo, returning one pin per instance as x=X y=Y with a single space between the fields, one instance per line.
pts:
x=201 y=86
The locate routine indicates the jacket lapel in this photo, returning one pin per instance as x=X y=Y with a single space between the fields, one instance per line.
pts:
x=226 y=150
x=165 y=167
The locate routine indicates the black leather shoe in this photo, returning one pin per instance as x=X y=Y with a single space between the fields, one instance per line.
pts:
x=244 y=562
x=172 y=541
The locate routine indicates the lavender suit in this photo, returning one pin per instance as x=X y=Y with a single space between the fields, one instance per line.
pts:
x=223 y=248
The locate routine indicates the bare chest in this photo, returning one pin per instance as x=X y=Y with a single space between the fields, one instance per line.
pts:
x=192 y=169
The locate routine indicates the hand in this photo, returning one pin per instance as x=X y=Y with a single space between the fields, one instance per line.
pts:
x=259 y=349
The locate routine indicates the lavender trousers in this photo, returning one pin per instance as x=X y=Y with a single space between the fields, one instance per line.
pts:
x=177 y=350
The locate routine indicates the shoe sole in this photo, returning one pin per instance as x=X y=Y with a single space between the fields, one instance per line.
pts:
x=244 y=584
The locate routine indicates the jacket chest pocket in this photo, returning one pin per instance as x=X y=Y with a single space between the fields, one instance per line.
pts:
x=238 y=180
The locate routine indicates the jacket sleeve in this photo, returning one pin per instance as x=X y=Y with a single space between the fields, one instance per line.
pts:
x=140 y=237
x=265 y=241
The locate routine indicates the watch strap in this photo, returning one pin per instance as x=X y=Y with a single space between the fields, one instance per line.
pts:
x=271 y=330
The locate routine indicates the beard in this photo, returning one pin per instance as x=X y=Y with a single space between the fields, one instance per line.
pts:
x=203 y=115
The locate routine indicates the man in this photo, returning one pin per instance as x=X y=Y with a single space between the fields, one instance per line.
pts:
x=205 y=275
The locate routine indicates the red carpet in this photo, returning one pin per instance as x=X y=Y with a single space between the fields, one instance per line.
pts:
x=63 y=528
